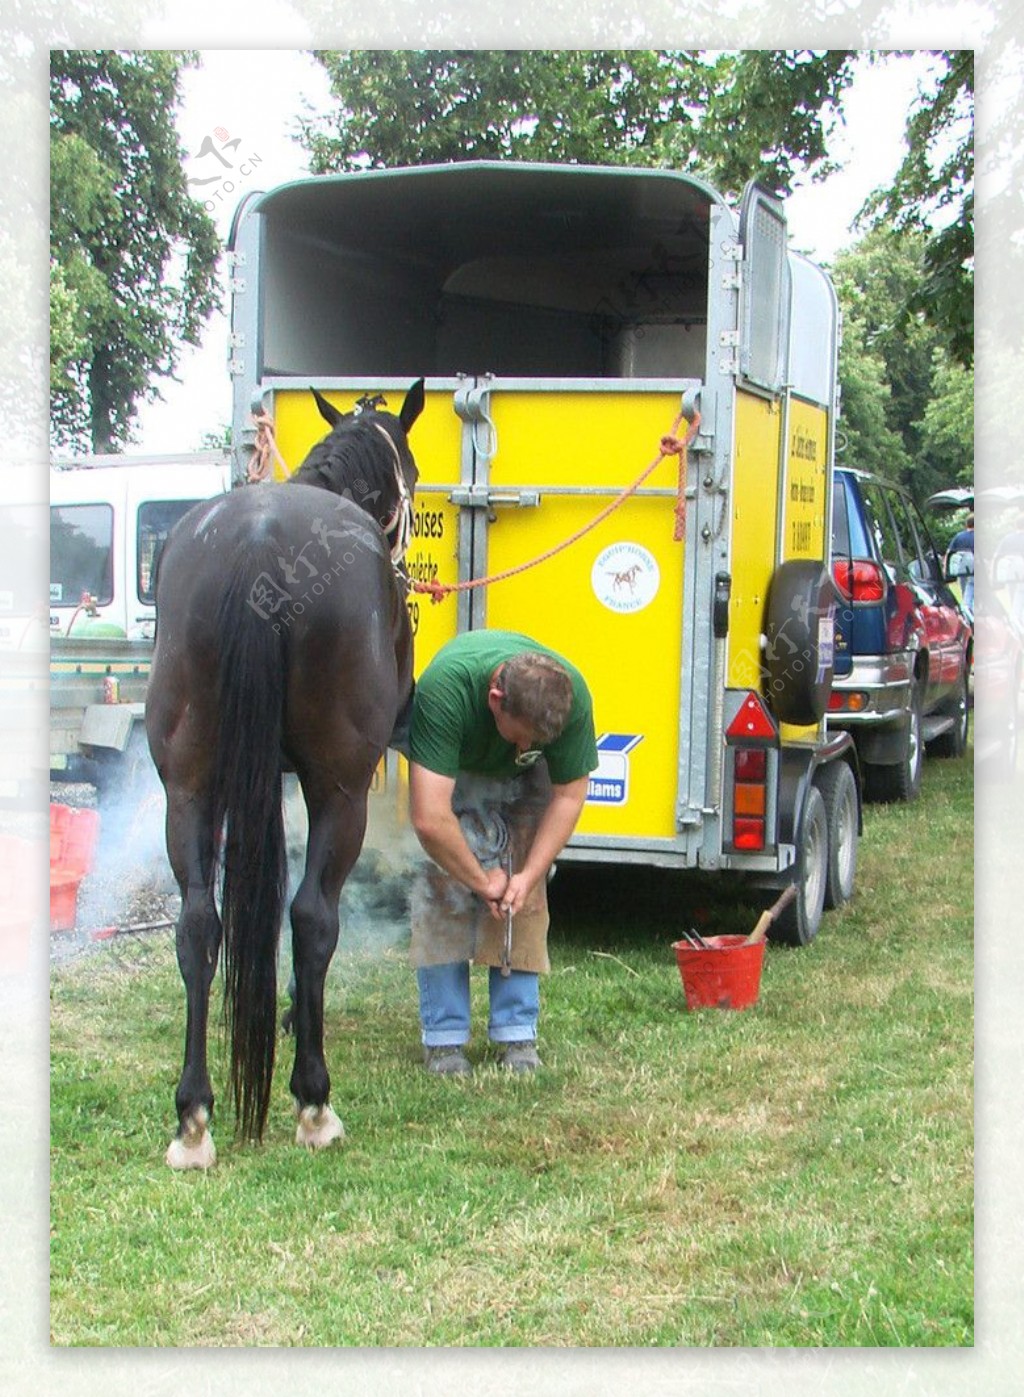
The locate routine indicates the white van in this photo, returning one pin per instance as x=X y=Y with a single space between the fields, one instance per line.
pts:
x=109 y=518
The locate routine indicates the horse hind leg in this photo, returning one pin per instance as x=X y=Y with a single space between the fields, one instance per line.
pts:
x=190 y=846
x=337 y=823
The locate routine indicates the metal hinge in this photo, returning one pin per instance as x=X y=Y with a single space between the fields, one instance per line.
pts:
x=471 y=406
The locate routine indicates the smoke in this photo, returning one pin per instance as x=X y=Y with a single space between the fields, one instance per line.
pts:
x=374 y=908
x=130 y=883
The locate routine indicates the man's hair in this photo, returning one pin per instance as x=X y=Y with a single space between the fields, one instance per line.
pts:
x=536 y=689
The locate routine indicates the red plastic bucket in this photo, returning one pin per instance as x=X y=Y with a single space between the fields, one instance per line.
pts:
x=726 y=976
x=73 y=836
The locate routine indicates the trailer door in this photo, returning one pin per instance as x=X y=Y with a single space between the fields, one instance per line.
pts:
x=612 y=602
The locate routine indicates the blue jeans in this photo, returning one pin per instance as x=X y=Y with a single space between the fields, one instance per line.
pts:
x=444 y=1005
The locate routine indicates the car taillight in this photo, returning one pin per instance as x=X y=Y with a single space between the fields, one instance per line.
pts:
x=859 y=580
x=848 y=701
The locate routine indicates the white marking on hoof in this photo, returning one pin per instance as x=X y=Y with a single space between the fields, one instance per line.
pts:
x=318 y=1126
x=193 y=1148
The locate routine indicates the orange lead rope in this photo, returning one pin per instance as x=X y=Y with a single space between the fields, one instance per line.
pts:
x=670 y=445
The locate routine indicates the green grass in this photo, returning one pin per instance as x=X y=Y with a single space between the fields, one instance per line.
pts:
x=798 y=1174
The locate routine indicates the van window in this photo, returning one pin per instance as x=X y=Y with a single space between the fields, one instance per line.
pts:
x=156 y=519
x=81 y=553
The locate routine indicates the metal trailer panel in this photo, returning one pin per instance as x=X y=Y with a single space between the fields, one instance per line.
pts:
x=612 y=601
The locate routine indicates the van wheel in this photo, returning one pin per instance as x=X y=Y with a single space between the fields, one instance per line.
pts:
x=901 y=782
x=839 y=792
x=798 y=924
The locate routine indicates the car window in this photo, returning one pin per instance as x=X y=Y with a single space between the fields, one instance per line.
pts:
x=925 y=544
x=883 y=530
x=840 y=520
x=850 y=528
x=914 y=568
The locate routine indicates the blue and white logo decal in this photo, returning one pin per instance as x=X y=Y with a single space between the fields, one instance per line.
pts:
x=609 y=784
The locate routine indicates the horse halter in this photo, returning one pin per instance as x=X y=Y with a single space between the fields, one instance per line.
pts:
x=399 y=521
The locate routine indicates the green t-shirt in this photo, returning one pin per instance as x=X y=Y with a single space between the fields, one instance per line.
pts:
x=453 y=729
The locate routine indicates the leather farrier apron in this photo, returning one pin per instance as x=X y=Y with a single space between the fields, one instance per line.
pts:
x=449 y=923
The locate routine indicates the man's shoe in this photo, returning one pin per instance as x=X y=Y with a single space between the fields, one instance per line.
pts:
x=447 y=1062
x=519 y=1057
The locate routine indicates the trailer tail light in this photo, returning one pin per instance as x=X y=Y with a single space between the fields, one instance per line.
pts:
x=858 y=580
x=752 y=721
x=752 y=739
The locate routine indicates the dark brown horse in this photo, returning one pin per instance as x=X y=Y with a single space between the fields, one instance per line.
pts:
x=283 y=642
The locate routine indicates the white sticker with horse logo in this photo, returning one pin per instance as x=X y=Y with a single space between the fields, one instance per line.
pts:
x=625 y=577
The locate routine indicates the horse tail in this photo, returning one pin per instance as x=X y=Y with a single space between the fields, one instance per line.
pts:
x=251 y=681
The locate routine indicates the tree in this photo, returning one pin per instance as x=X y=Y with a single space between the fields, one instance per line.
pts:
x=895 y=370
x=133 y=257
x=419 y=107
x=654 y=107
x=768 y=115
x=933 y=192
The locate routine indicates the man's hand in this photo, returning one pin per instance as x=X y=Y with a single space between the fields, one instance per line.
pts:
x=440 y=834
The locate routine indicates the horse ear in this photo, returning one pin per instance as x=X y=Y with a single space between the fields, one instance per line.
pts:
x=412 y=407
x=328 y=412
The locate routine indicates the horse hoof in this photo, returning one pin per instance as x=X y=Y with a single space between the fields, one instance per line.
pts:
x=193 y=1148
x=318 y=1126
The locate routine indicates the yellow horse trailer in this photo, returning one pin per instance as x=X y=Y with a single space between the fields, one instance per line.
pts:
x=565 y=319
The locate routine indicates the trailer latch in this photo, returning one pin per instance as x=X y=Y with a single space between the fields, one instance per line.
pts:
x=483 y=497
x=720 y=608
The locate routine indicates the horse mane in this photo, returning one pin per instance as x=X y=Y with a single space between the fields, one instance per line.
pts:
x=353 y=460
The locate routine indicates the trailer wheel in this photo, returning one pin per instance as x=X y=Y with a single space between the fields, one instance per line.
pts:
x=798 y=636
x=797 y=925
x=839 y=792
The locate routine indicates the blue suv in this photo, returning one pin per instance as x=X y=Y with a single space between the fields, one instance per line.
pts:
x=902 y=643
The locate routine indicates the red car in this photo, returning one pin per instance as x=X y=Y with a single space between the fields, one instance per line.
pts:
x=902 y=642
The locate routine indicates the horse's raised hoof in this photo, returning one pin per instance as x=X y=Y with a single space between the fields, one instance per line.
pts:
x=193 y=1147
x=318 y=1126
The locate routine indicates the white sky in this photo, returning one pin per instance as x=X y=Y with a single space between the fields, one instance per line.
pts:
x=256 y=95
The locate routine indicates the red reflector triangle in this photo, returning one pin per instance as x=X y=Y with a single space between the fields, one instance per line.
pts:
x=753 y=720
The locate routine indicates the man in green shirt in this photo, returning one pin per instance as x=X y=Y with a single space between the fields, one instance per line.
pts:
x=501 y=747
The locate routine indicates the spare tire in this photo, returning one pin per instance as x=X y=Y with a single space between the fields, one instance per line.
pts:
x=799 y=641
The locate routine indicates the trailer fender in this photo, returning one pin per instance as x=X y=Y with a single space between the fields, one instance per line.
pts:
x=797 y=768
x=812 y=820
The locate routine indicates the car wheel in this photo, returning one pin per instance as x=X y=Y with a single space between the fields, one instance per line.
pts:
x=838 y=788
x=954 y=742
x=798 y=924
x=901 y=781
